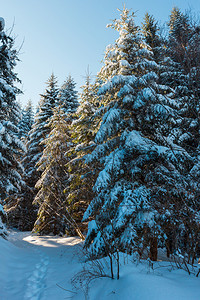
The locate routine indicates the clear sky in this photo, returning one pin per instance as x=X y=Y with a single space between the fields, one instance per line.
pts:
x=65 y=36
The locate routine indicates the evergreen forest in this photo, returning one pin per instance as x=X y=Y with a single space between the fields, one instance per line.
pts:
x=117 y=164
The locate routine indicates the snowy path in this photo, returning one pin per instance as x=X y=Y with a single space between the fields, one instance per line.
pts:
x=34 y=267
x=40 y=268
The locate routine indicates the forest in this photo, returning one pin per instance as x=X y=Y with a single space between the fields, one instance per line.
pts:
x=119 y=163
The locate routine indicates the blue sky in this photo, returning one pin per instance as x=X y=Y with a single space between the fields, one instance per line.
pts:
x=65 y=36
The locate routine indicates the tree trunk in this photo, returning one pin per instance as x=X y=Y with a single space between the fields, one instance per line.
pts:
x=169 y=246
x=111 y=266
x=153 y=249
x=117 y=264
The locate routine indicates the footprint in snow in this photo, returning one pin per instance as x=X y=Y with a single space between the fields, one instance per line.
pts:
x=36 y=282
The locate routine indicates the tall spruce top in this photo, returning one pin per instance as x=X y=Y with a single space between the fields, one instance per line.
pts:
x=68 y=96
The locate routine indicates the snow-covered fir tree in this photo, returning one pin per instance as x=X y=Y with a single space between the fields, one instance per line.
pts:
x=53 y=216
x=26 y=122
x=22 y=213
x=180 y=30
x=152 y=36
x=68 y=96
x=83 y=130
x=186 y=76
x=40 y=130
x=184 y=52
x=134 y=188
x=68 y=103
x=10 y=147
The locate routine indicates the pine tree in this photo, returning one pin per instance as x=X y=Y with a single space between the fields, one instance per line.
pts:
x=133 y=189
x=53 y=217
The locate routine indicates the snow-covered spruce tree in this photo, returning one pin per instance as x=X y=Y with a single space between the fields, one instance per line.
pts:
x=184 y=52
x=133 y=190
x=40 y=130
x=175 y=54
x=180 y=31
x=83 y=130
x=152 y=36
x=53 y=216
x=22 y=213
x=166 y=74
x=68 y=96
x=10 y=146
x=26 y=122
x=179 y=60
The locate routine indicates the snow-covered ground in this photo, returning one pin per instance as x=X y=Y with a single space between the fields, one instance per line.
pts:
x=40 y=268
